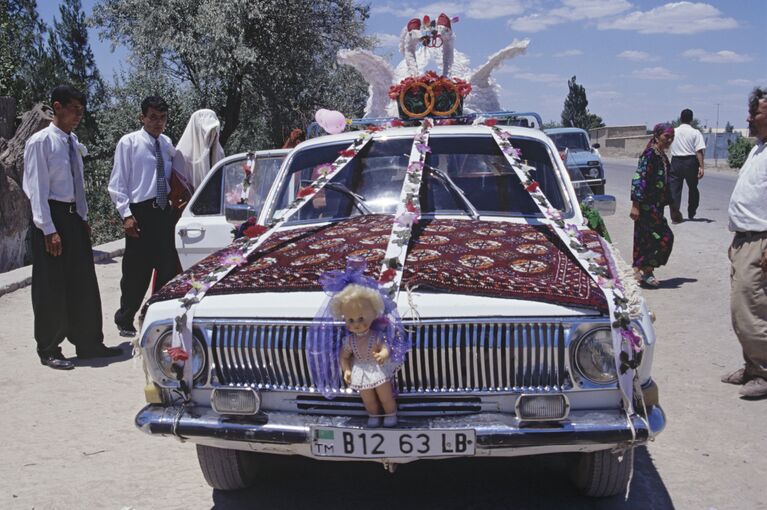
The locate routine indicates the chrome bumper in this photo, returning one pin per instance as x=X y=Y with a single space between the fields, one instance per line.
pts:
x=497 y=434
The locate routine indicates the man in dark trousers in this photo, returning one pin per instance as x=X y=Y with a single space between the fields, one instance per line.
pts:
x=139 y=188
x=65 y=292
x=687 y=152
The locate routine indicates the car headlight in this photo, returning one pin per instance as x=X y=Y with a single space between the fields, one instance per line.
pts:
x=594 y=356
x=165 y=362
x=593 y=163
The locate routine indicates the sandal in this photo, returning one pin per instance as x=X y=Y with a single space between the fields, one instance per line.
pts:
x=650 y=280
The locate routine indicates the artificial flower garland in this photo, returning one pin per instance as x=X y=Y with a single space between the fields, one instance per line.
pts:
x=429 y=94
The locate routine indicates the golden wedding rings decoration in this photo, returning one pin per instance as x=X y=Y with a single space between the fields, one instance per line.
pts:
x=430 y=98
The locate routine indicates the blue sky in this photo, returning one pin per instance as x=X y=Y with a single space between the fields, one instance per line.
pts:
x=640 y=61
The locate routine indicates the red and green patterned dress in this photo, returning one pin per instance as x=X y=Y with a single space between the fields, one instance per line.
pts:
x=653 y=238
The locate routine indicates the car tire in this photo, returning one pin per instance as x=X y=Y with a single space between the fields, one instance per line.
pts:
x=603 y=473
x=598 y=190
x=227 y=470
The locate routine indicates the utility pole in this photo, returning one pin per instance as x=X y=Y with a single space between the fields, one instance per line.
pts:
x=716 y=136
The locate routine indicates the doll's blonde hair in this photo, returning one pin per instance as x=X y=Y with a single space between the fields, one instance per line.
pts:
x=353 y=292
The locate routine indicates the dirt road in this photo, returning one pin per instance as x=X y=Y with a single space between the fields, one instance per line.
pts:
x=68 y=440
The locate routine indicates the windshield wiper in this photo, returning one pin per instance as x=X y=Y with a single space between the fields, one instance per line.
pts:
x=452 y=186
x=359 y=200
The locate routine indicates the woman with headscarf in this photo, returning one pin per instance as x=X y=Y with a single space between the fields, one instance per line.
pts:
x=650 y=195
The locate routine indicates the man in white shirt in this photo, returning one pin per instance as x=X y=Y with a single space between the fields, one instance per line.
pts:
x=687 y=152
x=748 y=256
x=139 y=187
x=65 y=292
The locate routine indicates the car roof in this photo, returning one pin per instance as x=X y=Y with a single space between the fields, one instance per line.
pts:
x=410 y=132
x=554 y=131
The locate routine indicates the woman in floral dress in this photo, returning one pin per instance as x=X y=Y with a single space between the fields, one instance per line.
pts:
x=650 y=195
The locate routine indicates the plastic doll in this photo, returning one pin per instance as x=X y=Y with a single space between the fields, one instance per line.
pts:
x=365 y=359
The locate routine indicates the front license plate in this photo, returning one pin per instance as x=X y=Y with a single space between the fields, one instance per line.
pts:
x=386 y=443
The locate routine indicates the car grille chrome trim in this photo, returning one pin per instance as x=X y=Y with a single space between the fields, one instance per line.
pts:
x=447 y=356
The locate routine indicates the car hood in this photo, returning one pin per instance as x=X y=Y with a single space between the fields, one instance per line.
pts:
x=500 y=263
x=581 y=157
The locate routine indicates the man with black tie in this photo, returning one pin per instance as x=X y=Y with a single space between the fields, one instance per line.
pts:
x=65 y=292
x=139 y=188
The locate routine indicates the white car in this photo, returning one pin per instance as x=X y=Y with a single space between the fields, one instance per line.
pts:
x=512 y=348
x=206 y=224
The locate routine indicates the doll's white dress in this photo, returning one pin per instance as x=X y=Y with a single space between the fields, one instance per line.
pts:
x=367 y=373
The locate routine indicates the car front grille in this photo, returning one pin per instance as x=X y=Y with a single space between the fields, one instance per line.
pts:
x=445 y=356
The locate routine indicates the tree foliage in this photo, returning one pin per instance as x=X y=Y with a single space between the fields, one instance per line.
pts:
x=261 y=65
x=575 y=112
x=738 y=151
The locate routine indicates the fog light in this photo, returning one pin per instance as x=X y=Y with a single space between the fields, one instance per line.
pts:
x=235 y=401
x=542 y=407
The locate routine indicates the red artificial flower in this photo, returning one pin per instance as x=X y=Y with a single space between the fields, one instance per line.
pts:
x=410 y=206
x=533 y=186
x=397 y=123
x=254 y=231
x=346 y=153
x=373 y=129
x=491 y=122
x=305 y=192
x=388 y=275
x=246 y=169
x=177 y=354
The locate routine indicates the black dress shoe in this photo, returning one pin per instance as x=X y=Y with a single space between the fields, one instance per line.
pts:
x=56 y=361
x=126 y=330
x=100 y=351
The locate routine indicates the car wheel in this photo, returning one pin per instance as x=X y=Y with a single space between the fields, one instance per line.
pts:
x=598 y=190
x=603 y=473
x=227 y=470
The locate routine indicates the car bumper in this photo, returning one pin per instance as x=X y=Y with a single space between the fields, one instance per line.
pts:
x=497 y=434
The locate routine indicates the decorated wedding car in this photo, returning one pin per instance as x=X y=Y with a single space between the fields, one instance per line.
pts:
x=504 y=325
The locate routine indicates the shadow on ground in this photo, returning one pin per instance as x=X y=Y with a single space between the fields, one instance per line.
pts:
x=676 y=282
x=519 y=483
x=126 y=347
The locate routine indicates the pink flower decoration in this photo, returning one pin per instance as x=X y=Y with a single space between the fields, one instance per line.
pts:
x=234 y=259
x=407 y=218
x=512 y=151
x=422 y=148
x=554 y=214
x=416 y=166
x=634 y=340
x=323 y=169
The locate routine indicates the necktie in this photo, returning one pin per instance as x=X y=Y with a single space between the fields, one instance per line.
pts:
x=77 y=179
x=162 y=184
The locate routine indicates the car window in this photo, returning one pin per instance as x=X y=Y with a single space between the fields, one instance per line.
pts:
x=475 y=163
x=261 y=179
x=209 y=200
x=571 y=141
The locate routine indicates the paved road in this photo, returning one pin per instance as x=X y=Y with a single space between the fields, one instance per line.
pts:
x=68 y=440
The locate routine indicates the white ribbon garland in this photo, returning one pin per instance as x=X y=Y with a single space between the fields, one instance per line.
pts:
x=408 y=212
x=568 y=233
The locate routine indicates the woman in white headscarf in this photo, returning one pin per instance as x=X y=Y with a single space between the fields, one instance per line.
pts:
x=199 y=149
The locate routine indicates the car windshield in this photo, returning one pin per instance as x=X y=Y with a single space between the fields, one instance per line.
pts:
x=473 y=163
x=571 y=141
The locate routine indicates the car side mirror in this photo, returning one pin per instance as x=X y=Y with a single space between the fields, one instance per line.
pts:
x=237 y=213
x=604 y=204
x=595 y=145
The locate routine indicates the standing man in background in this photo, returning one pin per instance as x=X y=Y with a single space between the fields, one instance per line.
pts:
x=687 y=153
x=65 y=292
x=139 y=188
x=748 y=256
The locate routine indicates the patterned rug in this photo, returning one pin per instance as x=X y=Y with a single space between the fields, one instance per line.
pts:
x=480 y=258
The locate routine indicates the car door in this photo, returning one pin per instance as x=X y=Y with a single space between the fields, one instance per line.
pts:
x=214 y=210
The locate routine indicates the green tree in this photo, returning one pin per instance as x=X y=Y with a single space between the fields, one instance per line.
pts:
x=738 y=151
x=264 y=66
x=575 y=112
x=71 y=61
x=23 y=54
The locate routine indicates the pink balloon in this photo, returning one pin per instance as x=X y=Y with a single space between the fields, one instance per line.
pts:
x=333 y=122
